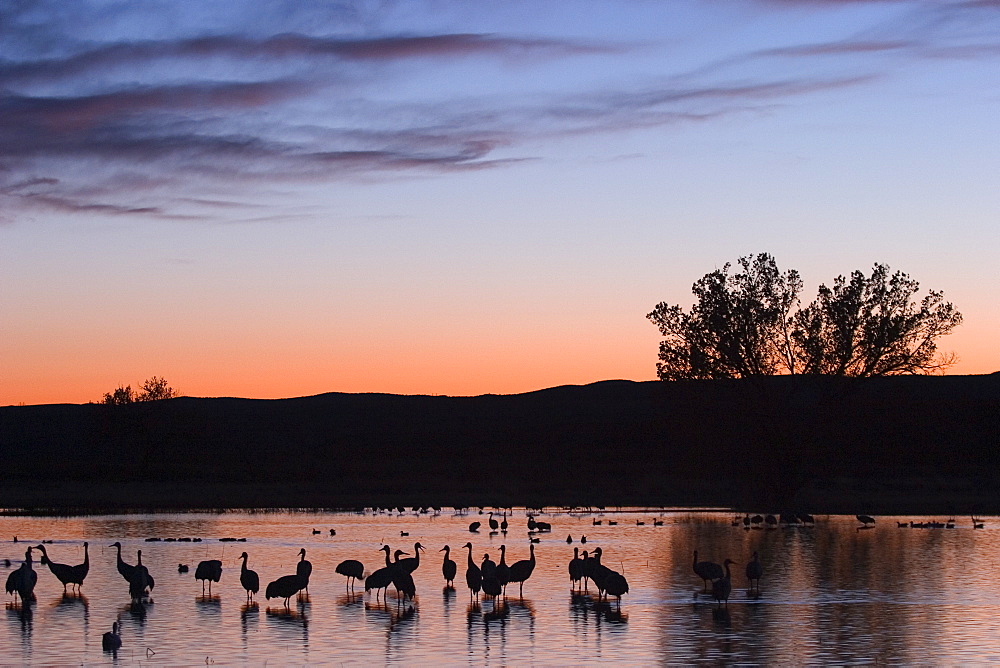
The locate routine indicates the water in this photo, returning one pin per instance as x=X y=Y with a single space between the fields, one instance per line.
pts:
x=830 y=594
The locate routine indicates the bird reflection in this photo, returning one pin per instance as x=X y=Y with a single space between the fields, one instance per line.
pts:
x=393 y=613
x=721 y=616
x=297 y=615
x=499 y=611
x=350 y=598
x=69 y=600
x=208 y=600
x=136 y=610
x=23 y=614
x=249 y=612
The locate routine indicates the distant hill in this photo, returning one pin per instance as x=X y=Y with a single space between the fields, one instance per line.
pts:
x=818 y=444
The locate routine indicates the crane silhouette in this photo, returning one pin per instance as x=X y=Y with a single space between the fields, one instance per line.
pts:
x=494 y=525
x=722 y=587
x=22 y=581
x=598 y=572
x=866 y=519
x=503 y=523
x=706 y=570
x=382 y=578
x=66 y=574
x=503 y=570
x=353 y=569
x=473 y=575
x=403 y=582
x=412 y=563
x=754 y=571
x=304 y=569
x=616 y=585
x=208 y=571
x=448 y=567
x=249 y=579
x=575 y=569
x=474 y=527
x=111 y=641
x=285 y=587
x=522 y=570
x=140 y=582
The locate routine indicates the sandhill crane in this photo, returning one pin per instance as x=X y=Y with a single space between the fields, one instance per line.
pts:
x=706 y=570
x=494 y=525
x=474 y=527
x=412 y=563
x=866 y=519
x=616 y=585
x=575 y=569
x=66 y=574
x=448 y=567
x=304 y=569
x=124 y=569
x=503 y=523
x=111 y=641
x=285 y=587
x=22 y=581
x=140 y=582
x=382 y=578
x=598 y=572
x=503 y=570
x=208 y=571
x=473 y=575
x=491 y=585
x=488 y=567
x=754 y=571
x=403 y=582
x=722 y=587
x=353 y=569
x=249 y=579
x=521 y=570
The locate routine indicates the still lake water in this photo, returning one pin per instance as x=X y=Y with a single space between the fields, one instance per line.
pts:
x=830 y=593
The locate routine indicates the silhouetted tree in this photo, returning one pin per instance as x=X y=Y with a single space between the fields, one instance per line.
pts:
x=153 y=389
x=121 y=396
x=749 y=324
x=870 y=326
x=739 y=325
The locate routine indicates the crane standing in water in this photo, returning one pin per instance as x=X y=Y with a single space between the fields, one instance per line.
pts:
x=304 y=569
x=22 y=581
x=754 y=571
x=473 y=576
x=249 y=579
x=722 y=587
x=66 y=574
x=448 y=567
x=706 y=570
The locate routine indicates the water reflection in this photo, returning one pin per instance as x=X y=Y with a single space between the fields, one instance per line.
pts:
x=889 y=594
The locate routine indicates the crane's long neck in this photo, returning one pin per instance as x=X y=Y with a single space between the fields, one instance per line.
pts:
x=387 y=562
x=472 y=562
x=503 y=555
x=243 y=569
x=86 y=555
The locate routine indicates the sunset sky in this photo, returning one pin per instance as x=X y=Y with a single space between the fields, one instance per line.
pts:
x=275 y=199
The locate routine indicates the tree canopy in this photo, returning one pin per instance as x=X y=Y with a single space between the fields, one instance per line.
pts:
x=153 y=389
x=750 y=322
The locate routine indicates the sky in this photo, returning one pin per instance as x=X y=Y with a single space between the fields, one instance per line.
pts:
x=270 y=198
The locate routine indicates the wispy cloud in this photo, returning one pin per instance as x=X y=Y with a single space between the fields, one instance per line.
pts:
x=186 y=116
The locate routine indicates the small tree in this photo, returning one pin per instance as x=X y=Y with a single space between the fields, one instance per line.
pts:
x=155 y=389
x=121 y=396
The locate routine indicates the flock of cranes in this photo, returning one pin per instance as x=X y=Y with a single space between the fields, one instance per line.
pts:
x=483 y=577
